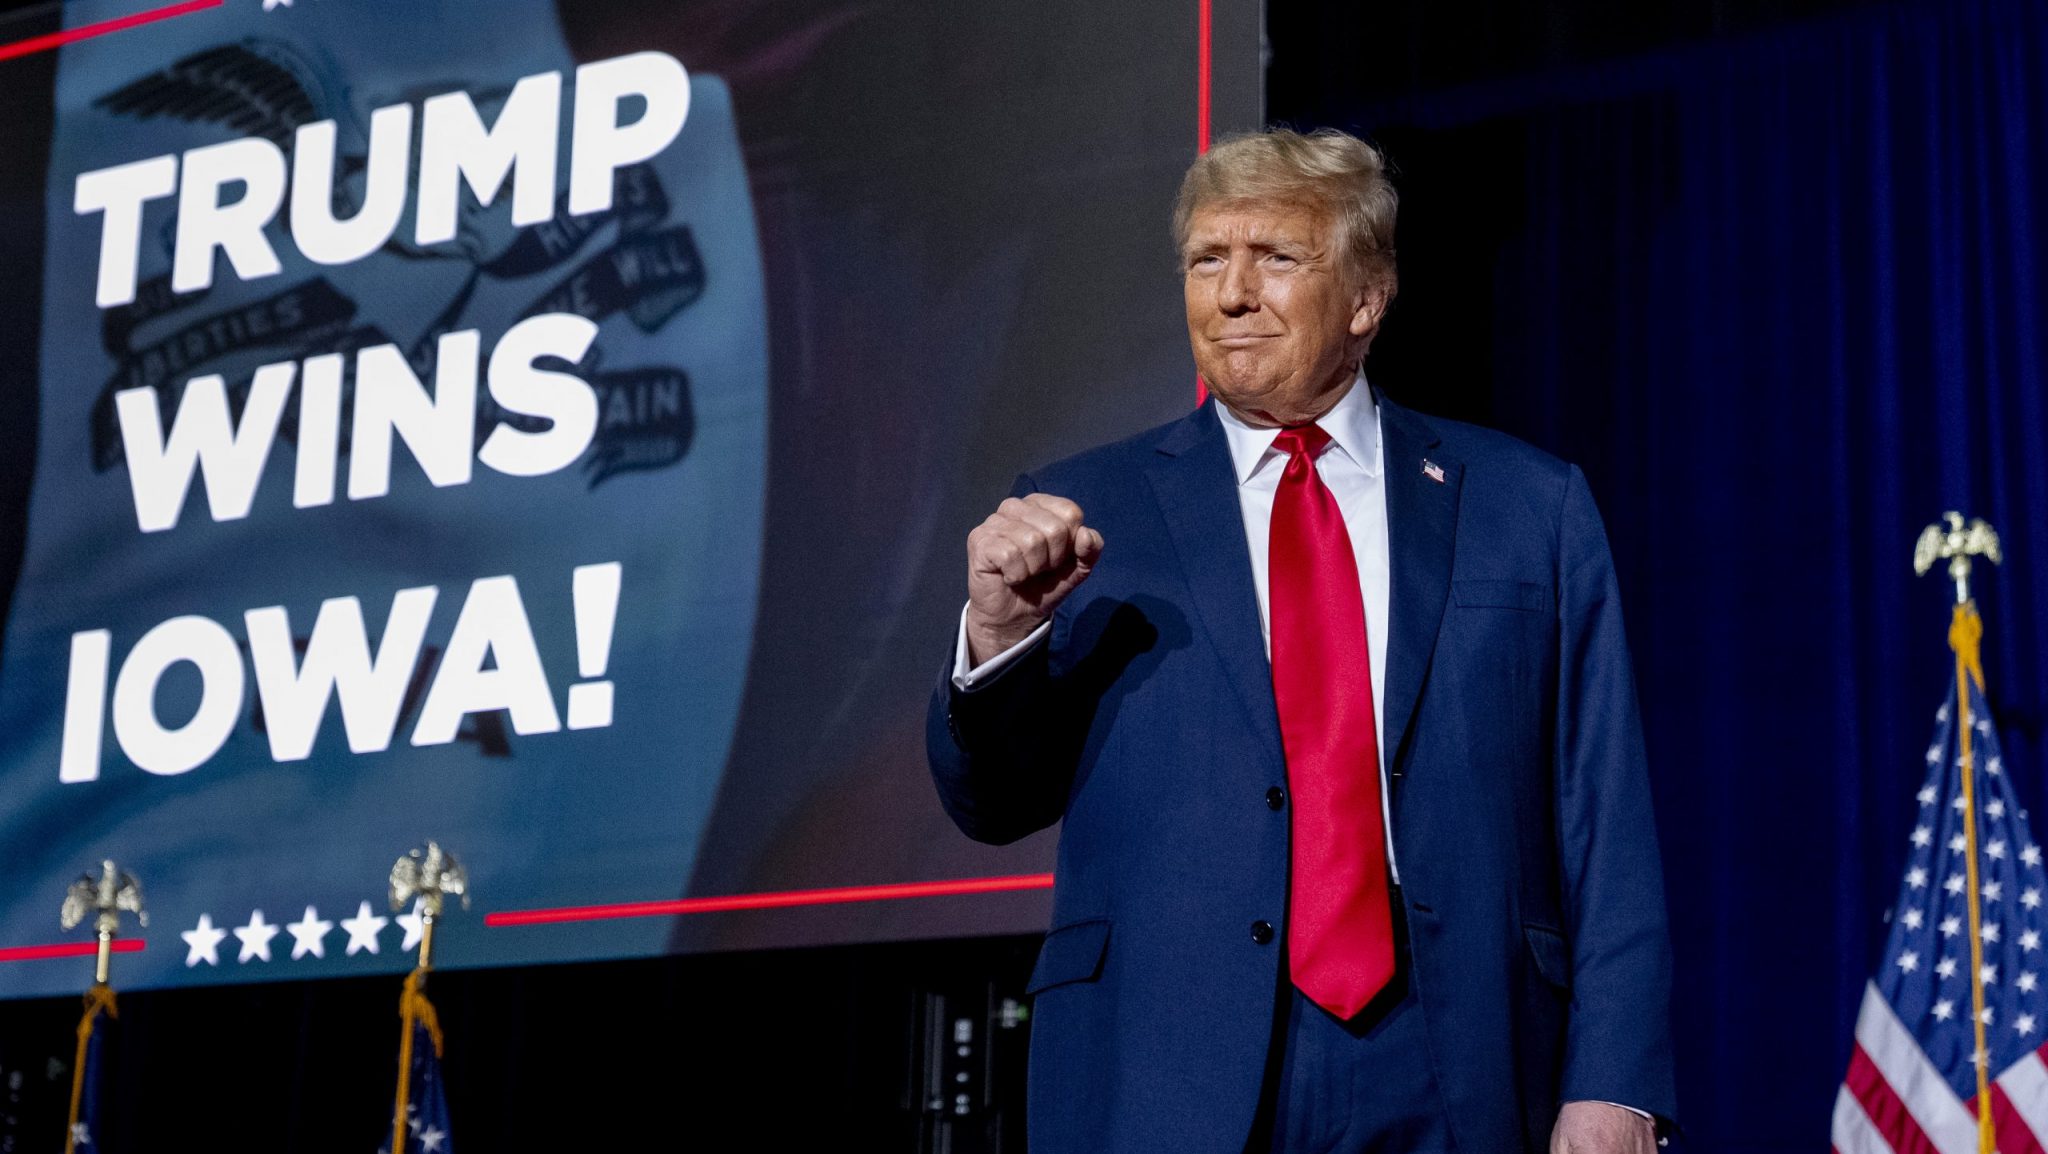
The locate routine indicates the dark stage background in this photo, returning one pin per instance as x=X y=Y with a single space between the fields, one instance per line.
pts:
x=1770 y=272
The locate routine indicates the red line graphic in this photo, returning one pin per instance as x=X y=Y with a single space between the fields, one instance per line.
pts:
x=1202 y=80
x=771 y=901
x=36 y=44
x=1202 y=54
x=67 y=949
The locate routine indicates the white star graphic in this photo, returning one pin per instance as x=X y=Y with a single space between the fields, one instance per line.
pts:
x=269 y=4
x=1954 y=884
x=2027 y=981
x=1993 y=765
x=1957 y=804
x=1933 y=754
x=2031 y=897
x=1989 y=976
x=414 y=927
x=309 y=935
x=1995 y=808
x=1912 y=919
x=2030 y=940
x=430 y=1139
x=255 y=937
x=1988 y=931
x=1996 y=850
x=363 y=929
x=1951 y=926
x=1922 y=835
x=1944 y=1010
x=202 y=942
x=1986 y=1016
x=1942 y=713
x=1957 y=843
x=1983 y=725
x=1909 y=961
x=2023 y=1025
x=1993 y=890
x=1946 y=967
x=2031 y=856
x=1917 y=878
x=1926 y=795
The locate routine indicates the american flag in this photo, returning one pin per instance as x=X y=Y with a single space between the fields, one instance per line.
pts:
x=88 y=1096
x=1912 y=1083
x=426 y=1106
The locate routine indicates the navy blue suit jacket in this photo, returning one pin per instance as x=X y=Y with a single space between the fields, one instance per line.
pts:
x=1521 y=810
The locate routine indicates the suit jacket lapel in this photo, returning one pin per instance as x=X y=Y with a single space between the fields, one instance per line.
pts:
x=1422 y=528
x=1196 y=487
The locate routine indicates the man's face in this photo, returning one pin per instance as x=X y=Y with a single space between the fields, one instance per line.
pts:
x=1277 y=325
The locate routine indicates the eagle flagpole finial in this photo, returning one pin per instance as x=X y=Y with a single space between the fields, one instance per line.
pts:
x=106 y=895
x=1957 y=543
x=429 y=876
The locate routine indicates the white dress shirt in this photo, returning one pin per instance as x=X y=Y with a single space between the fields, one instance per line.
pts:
x=1352 y=468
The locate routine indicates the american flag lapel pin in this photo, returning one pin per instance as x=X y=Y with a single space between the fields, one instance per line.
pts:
x=1432 y=470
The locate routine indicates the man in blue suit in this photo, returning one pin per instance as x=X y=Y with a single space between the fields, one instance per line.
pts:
x=1334 y=703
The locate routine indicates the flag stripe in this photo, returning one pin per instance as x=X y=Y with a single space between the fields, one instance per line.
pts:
x=2025 y=1088
x=1884 y=1109
x=1926 y=1094
x=1853 y=1131
x=2014 y=1135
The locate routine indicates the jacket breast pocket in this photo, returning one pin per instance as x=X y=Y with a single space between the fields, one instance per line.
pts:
x=1527 y=596
x=1071 y=953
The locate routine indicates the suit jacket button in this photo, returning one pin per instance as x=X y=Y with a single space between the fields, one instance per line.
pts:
x=1262 y=931
x=1275 y=798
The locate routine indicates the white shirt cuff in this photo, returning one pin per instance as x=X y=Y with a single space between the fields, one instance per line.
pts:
x=967 y=679
x=1645 y=1115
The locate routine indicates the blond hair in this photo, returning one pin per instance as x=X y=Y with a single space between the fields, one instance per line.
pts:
x=1331 y=172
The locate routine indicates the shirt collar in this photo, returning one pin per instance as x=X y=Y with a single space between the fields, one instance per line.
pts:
x=1353 y=424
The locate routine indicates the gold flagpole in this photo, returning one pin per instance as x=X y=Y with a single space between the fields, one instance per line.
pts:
x=106 y=895
x=427 y=877
x=1957 y=544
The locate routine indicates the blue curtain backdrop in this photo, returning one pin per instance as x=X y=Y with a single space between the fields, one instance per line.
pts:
x=1781 y=297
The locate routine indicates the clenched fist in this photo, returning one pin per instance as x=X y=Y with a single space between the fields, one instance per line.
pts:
x=1021 y=563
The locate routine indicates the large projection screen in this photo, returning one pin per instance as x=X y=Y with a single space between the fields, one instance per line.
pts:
x=550 y=430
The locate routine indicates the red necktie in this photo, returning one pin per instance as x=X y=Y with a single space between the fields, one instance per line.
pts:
x=1340 y=939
